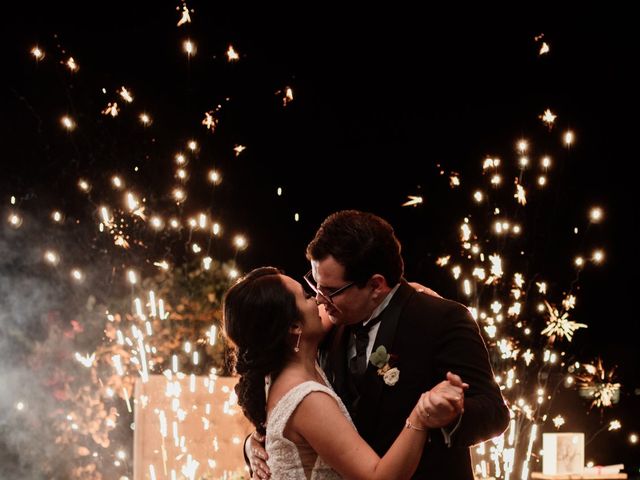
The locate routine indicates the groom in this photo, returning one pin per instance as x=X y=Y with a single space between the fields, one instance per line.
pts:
x=382 y=324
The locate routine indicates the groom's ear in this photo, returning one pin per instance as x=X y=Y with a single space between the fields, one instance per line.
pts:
x=378 y=284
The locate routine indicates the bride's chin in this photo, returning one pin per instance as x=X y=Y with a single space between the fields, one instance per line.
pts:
x=326 y=320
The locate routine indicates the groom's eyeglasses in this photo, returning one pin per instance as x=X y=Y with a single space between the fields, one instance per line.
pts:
x=325 y=293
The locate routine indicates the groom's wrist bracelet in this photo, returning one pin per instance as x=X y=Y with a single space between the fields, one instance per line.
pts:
x=410 y=426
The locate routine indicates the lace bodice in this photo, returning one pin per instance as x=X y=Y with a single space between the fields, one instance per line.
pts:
x=290 y=461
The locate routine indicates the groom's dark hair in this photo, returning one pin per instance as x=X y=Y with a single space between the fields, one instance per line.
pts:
x=362 y=242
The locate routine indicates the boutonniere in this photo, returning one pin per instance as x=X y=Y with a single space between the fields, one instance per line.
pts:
x=382 y=361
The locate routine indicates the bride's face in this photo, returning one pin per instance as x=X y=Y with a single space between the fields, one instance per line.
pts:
x=306 y=304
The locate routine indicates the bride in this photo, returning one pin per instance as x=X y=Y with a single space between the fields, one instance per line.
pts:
x=277 y=328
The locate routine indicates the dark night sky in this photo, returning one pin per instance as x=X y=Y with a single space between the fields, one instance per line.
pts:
x=383 y=97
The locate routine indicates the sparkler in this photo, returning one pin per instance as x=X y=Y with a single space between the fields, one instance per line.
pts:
x=185 y=17
x=232 y=55
x=511 y=315
x=413 y=200
x=37 y=53
x=143 y=352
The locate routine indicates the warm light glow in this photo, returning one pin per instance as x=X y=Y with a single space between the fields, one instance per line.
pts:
x=185 y=17
x=106 y=218
x=210 y=122
x=112 y=109
x=68 y=123
x=232 y=55
x=579 y=261
x=598 y=256
x=156 y=222
x=545 y=162
x=542 y=180
x=125 y=94
x=215 y=177
x=413 y=200
x=180 y=159
x=192 y=145
x=37 y=53
x=132 y=202
x=478 y=196
x=174 y=363
x=614 y=425
x=633 y=438
x=84 y=185
x=240 y=242
x=596 y=214
x=77 y=275
x=133 y=278
x=189 y=47
x=52 y=257
x=490 y=163
x=15 y=220
x=569 y=138
x=179 y=195
x=117 y=182
x=520 y=195
x=288 y=96
x=72 y=65
x=522 y=146
x=548 y=117
x=145 y=119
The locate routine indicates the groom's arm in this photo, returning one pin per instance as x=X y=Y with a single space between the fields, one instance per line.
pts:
x=460 y=349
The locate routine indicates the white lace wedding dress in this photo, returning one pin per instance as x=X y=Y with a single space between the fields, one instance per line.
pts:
x=290 y=461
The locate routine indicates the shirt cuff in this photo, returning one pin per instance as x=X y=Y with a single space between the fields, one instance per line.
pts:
x=246 y=455
x=448 y=433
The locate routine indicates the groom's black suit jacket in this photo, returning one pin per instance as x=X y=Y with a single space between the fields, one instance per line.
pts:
x=428 y=336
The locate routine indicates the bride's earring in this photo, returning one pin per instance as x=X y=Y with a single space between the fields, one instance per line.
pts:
x=297 y=347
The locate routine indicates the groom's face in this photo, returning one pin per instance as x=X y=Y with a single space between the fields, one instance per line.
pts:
x=350 y=306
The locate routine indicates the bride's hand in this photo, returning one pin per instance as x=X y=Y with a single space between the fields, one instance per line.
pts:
x=441 y=405
x=422 y=289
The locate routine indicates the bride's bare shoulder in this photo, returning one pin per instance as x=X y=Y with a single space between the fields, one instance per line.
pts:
x=285 y=382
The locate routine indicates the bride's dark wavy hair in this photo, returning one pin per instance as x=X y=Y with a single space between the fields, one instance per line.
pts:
x=258 y=312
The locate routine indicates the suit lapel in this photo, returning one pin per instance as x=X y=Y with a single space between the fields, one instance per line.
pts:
x=373 y=383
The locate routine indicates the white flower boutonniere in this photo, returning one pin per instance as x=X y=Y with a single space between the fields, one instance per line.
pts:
x=391 y=376
x=381 y=359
